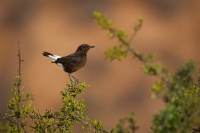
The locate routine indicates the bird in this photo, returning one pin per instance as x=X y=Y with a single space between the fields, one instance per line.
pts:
x=73 y=62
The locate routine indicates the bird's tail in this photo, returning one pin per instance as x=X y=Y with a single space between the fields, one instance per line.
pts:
x=52 y=56
x=47 y=54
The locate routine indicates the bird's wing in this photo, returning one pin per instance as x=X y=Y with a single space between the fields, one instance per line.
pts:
x=73 y=58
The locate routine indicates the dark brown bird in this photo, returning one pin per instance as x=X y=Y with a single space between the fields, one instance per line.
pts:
x=72 y=62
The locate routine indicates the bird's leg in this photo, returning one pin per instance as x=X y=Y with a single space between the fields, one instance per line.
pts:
x=70 y=79
x=74 y=80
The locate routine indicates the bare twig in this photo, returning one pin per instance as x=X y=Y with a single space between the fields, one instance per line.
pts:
x=19 y=60
x=19 y=124
x=132 y=36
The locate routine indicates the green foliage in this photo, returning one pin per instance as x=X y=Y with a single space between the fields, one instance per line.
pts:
x=182 y=110
x=179 y=91
x=116 y=52
x=17 y=112
x=102 y=20
x=121 y=50
x=71 y=111
x=126 y=125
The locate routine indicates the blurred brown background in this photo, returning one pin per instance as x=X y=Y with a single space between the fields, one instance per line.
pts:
x=171 y=29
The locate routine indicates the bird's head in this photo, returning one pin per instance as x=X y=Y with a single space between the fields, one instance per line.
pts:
x=84 y=48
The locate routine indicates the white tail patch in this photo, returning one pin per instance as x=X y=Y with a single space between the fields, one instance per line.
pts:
x=54 y=57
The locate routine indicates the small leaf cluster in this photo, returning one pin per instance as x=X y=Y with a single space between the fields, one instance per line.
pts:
x=126 y=125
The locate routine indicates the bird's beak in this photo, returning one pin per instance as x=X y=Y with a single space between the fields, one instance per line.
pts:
x=92 y=46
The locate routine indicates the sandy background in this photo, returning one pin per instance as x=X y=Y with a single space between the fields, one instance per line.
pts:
x=171 y=29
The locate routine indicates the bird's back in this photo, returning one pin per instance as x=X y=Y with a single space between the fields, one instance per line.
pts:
x=73 y=62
